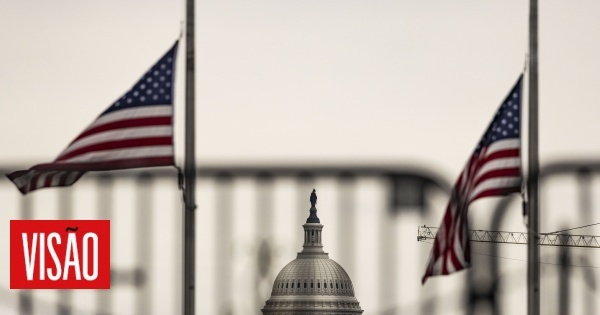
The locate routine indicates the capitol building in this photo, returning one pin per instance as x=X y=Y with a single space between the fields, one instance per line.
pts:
x=312 y=284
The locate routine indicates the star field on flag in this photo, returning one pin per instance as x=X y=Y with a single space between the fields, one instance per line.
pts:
x=135 y=131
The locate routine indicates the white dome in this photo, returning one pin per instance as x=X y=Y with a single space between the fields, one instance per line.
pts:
x=313 y=276
x=312 y=284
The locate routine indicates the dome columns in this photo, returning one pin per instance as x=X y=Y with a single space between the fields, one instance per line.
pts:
x=313 y=238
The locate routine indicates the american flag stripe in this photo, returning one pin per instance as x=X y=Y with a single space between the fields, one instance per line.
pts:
x=500 y=169
x=133 y=113
x=501 y=145
x=494 y=169
x=56 y=176
x=116 y=164
x=30 y=180
x=494 y=184
x=135 y=131
x=122 y=134
x=123 y=124
x=39 y=180
x=501 y=191
x=499 y=155
x=120 y=154
x=493 y=174
x=496 y=165
x=116 y=144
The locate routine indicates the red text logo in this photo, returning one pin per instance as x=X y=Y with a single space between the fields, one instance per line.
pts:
x=60 y=254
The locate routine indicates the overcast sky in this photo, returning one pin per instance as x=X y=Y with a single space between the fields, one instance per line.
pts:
x=400 y=81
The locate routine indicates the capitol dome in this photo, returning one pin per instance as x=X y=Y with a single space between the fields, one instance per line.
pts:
x=312 y=284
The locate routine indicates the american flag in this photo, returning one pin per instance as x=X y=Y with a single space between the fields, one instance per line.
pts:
x=494 y=169
x=135 y=131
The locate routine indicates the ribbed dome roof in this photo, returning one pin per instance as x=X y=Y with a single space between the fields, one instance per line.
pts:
x=313 y=276
x=312 y=284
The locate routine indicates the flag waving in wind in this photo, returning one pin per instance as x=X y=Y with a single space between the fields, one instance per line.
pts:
x=494 y=169
x=135 y=131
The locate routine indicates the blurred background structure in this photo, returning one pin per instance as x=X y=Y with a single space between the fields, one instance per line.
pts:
x=248 y=228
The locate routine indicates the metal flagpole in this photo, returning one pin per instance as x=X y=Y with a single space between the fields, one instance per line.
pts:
x=189 y=238
x=533 y=250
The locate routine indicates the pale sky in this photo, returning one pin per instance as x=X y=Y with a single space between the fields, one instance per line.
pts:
x=399 y=81
x=340 y=81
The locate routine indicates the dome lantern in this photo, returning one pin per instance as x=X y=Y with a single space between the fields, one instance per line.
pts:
x=312 y=233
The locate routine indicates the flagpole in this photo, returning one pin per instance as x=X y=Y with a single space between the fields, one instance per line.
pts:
x=189 y=239
x=533 y=250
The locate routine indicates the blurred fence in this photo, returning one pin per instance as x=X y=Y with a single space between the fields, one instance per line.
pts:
x=249 y=226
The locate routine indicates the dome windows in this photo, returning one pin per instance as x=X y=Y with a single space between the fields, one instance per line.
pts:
x=298 y=286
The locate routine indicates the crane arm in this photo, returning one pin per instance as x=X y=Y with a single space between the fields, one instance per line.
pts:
x=546 y=239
